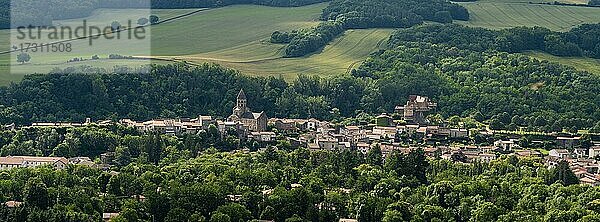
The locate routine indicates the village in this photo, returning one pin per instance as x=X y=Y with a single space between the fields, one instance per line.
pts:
x=411 y=131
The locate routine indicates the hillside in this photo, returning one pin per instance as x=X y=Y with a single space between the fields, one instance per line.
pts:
x=265 y=59
x=584 y=64
x=242 y=45
x=506 y=14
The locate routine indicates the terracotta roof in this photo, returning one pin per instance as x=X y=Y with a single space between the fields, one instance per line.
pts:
x=43 y=159
x=11 y=160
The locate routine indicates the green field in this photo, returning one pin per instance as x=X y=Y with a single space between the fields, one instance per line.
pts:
x=501 y=14
x=265 y=59
x=237 y=37
x=44 y=62
x=584 y=64
x=234 y=36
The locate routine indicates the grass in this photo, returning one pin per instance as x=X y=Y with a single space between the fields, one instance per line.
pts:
x=228 y=27
x=339 y=57
x=499 y=14
x=584 y=64
x=234 y=36
x=218 y=29
x=44 y=62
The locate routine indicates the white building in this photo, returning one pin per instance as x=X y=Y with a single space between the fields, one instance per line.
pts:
x=506 y=145
x=559 y=153
x=594 y=151
x=30 y=161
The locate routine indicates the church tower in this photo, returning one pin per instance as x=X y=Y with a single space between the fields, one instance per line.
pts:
x=241 y=105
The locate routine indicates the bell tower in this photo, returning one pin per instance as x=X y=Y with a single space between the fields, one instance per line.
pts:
x=241 y=105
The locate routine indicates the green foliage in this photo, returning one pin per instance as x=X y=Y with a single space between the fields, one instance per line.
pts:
x=443 y=17
x=307 y=41
x=388 y=13
x=340 y=15
x=142 y=21
x=475 y=82
x=580 y=41
x=234 y=211
x=23 y=58
x=193 y=189
x=154 y=19
x=36 y=193
x=562 y=173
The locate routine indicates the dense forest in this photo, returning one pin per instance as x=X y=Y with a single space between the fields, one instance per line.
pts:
x=583 y=40
x=164 y=178
x=508 y=89
x=310 y=40
x=353 y=14
x=364 y=14
x=4 y=14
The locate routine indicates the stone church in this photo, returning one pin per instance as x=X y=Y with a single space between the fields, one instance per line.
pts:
x=256 y=122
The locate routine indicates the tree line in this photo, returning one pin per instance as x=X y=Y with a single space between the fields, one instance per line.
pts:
x=494 y=86
x=340 y=15
x=583 y=40
x=484 y=85
x=310 y=40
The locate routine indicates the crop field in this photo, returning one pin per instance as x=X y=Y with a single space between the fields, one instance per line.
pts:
x=223 y=32
x=585 y=64
x=344 y=53
x=507 y=14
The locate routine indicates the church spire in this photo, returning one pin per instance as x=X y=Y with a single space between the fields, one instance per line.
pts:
x=241 y=105
x=241 y=95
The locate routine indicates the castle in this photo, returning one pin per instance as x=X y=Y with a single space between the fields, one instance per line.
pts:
x=256 y=122
x=416 y=109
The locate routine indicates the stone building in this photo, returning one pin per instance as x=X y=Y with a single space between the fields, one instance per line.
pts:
x=416 y=109
x=256 y=122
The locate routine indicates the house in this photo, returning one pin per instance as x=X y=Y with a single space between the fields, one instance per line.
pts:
x=234 y=198
x=363 y=147
x=12 y=204
x=506 y=145
x=256 y=122
x=82 y=161
x=567 y=142
x=311 y=125
x=580 y=153
x=327 y=143
x=486 y=157
x=589 y=180
x=383 y=120
x=284 y=125
x=31 y=161
x=232 y=128
x=205 y=121
x=385 y=132
x=559 y=153
x=262 y=136
x=109 y=216
x=458 y=133
x=528 y=153
x=594 y=151
x=552 y=161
